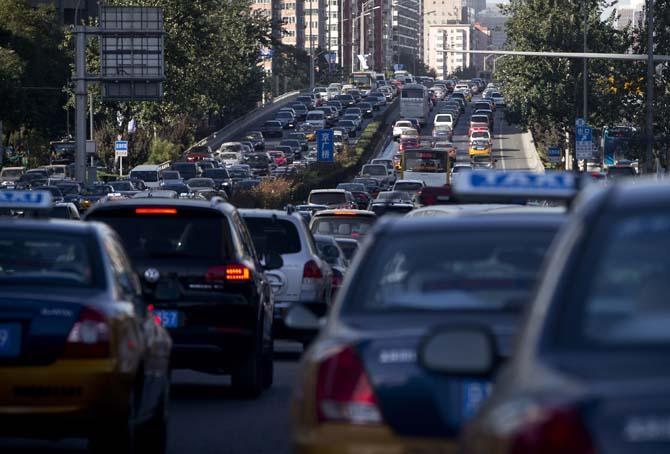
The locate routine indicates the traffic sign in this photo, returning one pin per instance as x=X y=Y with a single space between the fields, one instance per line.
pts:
x=583 y=139
x=554 y=154
x=324 y=145
x=556 y=185
x=121 y=148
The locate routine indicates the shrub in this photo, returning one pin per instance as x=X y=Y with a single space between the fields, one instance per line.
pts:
x=162 y=150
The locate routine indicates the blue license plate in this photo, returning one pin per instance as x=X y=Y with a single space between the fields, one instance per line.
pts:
x=10 y=340
x=474 y=393
x=169 y=319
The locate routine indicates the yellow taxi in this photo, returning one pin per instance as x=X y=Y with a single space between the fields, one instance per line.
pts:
x=479 y=148
x=81 y=355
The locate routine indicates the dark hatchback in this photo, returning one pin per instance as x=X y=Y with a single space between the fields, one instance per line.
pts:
x=364 y=369
x=200 y=271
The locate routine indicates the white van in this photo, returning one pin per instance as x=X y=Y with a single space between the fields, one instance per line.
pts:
x=444 y=119
x=149 y=173
x=316 y=118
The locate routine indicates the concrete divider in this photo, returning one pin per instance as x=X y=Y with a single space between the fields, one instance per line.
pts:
x=237 y=126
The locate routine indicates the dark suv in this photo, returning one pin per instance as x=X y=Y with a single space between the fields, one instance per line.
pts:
x=199 y=269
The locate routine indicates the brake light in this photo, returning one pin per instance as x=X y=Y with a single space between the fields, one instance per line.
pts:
x=554 y=431
x=312 y=271
x=343 y=391
x=155 y=211
x=89 y=336
x=231 y=273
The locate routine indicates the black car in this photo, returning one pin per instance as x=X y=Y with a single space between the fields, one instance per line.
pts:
x=187 y=170
x=200 y=271
x=306 y=100
x=56 y=194
x=367 y=109
x=295 y=144
x=346 y=100
x=300 y=109
x=260 y=163
x=89 y=195
x=272 y=128
x=300 y=137
x=339 y=105
x=256 y=138
x=349 y=126
x=221 y=179
x=125 y=187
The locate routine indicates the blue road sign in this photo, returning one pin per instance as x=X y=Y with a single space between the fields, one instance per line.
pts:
x=25 y=199
x=324 y=145
x=516 y=184
x=398 y=67
x=121 y=148
x=583 y=139
x=554 y=154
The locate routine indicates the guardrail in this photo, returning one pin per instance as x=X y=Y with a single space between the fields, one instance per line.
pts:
x=215 y=139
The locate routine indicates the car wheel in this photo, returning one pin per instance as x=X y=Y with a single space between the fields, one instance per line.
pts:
x=247 y=380
x=117 y=436
x=152 y=435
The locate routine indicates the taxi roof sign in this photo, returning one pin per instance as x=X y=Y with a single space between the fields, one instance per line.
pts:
x=26 y=199
x=547 y=185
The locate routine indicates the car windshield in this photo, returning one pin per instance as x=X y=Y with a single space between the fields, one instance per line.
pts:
x=215 y=173
x=238 y=173
x=122 y=185
x=11 y=173
x=626 y=298
x=468 y=270
x=345 y=226
x=285 y=115
x=200 y=183
x=375 y=170
x=229 y=156
x=46 y=259
x=327 y=198
x=96 y=190
x=394 y=195
x=145 y=175
x=68 y=189
x=186 y=234
x=273 y=235
x=170 y=175
x=178 y=188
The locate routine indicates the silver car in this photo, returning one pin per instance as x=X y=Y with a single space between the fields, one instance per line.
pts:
x=304 y=278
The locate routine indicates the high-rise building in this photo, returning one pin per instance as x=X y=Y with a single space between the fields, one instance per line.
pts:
x=438 y=13
x=447 y=40
x=493 y=19
x=629 y=16
x=407 y=42
x=315 y=24
x=481 y=40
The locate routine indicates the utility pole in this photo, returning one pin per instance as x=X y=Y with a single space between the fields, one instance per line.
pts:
x=585 y=88
x=311 y=48
x=650 y=88
x=80 y=103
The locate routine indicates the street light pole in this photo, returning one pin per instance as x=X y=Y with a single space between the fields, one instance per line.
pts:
x=311 y=49
x=650 y=87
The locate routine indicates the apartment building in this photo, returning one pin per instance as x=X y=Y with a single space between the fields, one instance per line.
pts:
x=447 y=40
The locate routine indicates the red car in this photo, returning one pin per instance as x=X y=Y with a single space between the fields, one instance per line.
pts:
x=408 y=143
x=198 y=153
x=278 y=158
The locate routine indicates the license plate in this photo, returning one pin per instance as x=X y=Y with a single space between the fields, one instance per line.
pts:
x=169 y=319
x=474 y=393
x=10 y=340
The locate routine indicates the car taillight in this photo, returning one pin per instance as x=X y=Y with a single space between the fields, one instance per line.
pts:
x=89 y=336
x=229 y=273
x=312 y=271
x=337 y=278
x=553 y=431
x=343 y=391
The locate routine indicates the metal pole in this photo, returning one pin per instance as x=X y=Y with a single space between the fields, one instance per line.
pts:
x=650 y=86
x=80 y=104
x=361 y=31
x=585 y=71
x=311 y=48
x=90 y=115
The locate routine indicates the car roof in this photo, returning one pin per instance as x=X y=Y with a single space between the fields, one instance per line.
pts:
x=162 y=202
x=343 y=212
x=469 y=222
x=55 y=226
x=320 y=191
x=262 y=213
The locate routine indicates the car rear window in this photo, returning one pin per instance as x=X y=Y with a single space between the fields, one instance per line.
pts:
x=327 y=198
x=45 y=259
x=165 y=232
x=145 y=175
x=273 y=235
x=350 y=226
x=407 y=186
x=469 y=270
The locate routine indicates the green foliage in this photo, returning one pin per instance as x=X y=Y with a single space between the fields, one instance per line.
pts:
x=546 y=93
x=32 y=68
x=162 y=150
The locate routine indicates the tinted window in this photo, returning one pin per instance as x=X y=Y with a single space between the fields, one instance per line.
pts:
x=186 y=170
x=215 y=173
x=480 y=270
x=122 y=185
x=273 y=235
x=327 y=198
x=349 y=226
x=629 y=283
x=190 y=234
x=96 y=190
x=48 y=259
x=178 y=188
x=407 y=186
x=412 y=93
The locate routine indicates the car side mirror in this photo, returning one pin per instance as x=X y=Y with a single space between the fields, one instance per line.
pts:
x=460 y=351
x=273 y=261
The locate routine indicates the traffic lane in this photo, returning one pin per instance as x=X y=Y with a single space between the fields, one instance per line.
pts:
x=513 y=148
x=207 y=417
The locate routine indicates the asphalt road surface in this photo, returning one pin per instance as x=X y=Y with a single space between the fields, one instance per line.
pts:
x=207 y=417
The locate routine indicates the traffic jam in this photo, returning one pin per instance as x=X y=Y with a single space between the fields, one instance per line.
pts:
x=440 y=304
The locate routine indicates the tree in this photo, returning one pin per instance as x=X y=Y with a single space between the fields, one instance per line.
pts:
x=33 y=67
x=546 y=93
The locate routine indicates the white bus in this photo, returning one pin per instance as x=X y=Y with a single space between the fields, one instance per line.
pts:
x=415 y=102
x=364 y=81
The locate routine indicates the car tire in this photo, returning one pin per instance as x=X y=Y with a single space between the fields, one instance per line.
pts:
x=152 y=436
x=247 y=380
x=117 y=436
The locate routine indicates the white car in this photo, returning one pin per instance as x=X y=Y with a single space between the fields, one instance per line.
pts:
x=400 y=127
x=498 y=98
x=481 y=134
x=323 y=92
x=316 y=118
x=230 y=158
x=445 y=119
